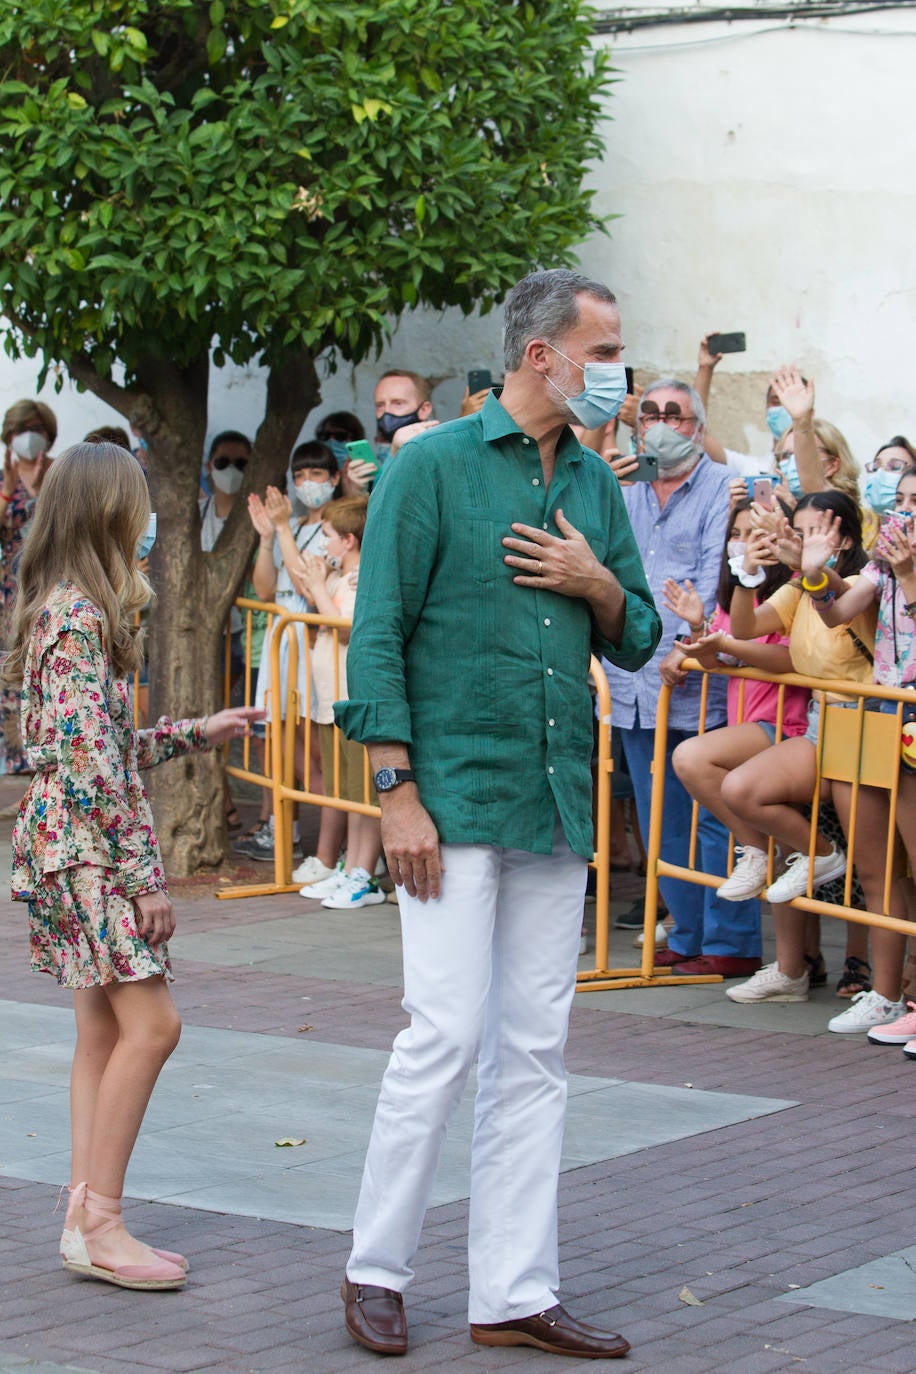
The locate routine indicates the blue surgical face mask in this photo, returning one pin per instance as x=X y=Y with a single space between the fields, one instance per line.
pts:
x=832 y=561
x=778 y=421
x=339 y=449
x=147 y=541
x=604 y=392
x=382 y=453
x=789 y=469
x=881 y=489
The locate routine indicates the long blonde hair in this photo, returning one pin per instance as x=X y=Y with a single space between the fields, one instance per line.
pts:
x=90 y=514
x=834 y=444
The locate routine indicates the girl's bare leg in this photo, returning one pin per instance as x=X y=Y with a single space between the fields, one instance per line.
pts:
x=873 y=834
x=789 y=926
x=704 y=762
x=332 y=828
x=148 y=1029
x=96 y=1037
x=364 y=842
x=767 y=791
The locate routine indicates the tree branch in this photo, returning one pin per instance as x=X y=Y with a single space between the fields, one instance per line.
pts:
x=118 y=397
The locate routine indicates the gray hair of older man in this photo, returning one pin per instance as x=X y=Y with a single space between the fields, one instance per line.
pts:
x=672 y=384
x=544 y=305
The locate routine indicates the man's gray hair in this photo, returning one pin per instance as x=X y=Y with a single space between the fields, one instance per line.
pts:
x=672 y=384
x=543 y=305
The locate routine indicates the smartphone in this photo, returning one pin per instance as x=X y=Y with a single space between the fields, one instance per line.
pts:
x=479 y=379
x=899 y=520
x=726 y=343
x=361 y=451
x=647 y=471
x=629 y=372
x=762 y=492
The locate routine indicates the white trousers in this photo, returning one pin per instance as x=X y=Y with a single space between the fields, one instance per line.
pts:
x=489 y=973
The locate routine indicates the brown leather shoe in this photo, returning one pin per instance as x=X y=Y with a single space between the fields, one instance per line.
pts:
x=375 y=1317
x=554 y=1331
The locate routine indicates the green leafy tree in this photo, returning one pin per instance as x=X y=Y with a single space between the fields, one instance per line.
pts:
x=270 y=181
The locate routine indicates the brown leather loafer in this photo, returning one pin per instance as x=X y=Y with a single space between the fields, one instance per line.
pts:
x=554 y=1331
x=723 y=964
x=375 y=1317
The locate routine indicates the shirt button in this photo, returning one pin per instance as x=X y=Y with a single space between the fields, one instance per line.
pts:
x=550 y=672
x=549 y=770
x=547 y=622
x=551 y=721
x=535 y=481
x=543 y=527
x=526 y=441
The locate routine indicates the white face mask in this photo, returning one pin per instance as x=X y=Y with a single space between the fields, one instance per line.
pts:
x=313 y=495
x=29 y=445
x=227 y=480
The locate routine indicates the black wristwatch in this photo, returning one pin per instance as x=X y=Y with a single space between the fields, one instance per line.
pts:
x=387 y=779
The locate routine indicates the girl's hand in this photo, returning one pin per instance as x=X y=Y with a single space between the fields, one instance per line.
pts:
x=259 y=517
x=279 y=508
x=231 y=723
x=708 y=644
x=895 y=549
x=820 y=544
x=155 y=917
x=685 y=602
x=669 y=670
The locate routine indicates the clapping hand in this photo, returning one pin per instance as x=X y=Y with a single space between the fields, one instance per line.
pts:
x=259 y=517
x=278 y=507
x=312 y=572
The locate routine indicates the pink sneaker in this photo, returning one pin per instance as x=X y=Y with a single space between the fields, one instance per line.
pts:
x=895 y=1032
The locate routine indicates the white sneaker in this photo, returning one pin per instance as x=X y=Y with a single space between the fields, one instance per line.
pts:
x=748 y=877
x=311 y=870
x=325 y=886
x=356 y=890
x=794 y=882
x=661 y=937
x=866 y=1009
x=770 y=984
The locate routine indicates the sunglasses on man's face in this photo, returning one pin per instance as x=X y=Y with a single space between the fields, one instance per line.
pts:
x=223 y=462
x=338 y=434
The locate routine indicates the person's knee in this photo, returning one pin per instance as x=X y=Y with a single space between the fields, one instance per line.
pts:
x=162 y=1033
x=686 y=759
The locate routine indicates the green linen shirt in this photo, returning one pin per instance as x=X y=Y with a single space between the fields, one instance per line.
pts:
x=486 y=681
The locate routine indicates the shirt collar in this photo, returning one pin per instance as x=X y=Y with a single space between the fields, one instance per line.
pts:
x=497 y=423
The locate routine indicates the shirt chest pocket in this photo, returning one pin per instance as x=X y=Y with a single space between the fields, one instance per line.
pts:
x=488 y=528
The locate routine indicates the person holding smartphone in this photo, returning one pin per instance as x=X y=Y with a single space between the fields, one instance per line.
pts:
x=680 y=519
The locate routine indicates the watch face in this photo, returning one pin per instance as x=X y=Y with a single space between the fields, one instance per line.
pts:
x=385 y=779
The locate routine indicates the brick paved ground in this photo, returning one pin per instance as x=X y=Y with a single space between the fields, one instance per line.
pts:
x=737 y=1216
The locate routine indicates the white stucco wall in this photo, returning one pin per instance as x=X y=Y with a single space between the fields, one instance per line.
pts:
x=764 y=175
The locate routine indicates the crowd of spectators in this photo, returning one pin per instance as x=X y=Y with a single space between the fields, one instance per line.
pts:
x=795 y=559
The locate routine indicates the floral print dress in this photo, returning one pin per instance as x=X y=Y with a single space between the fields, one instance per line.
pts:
x=83 y=843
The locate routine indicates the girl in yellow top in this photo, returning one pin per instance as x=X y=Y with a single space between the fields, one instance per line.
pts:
x=770 y=790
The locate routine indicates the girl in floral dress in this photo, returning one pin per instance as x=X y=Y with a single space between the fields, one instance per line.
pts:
x=85 y=855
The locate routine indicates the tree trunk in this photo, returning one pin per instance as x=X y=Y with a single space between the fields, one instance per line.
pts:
x=195 y=590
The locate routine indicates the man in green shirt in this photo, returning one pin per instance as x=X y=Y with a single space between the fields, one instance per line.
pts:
x=497 y=556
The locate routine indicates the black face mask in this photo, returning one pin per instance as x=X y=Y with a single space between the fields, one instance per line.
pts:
x=389 y=424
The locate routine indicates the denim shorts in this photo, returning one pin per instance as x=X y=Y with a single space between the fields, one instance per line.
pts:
x=768 y=728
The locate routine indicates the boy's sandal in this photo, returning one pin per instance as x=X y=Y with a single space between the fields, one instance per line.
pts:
x=856 y=977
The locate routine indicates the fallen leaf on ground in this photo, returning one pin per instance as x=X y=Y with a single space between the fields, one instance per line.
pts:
x=686 y=1296
x=290 y=1140
x=305 y=1027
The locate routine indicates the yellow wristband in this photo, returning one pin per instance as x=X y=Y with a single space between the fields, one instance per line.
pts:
x=818 y=586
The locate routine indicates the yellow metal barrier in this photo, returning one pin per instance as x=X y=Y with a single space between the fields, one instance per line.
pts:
x=281 y=740
x=855 y=746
